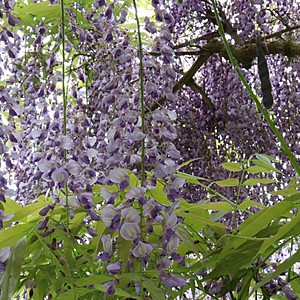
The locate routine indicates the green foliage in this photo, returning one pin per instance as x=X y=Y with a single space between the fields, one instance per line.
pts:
x=69 y=269
x=10 y=278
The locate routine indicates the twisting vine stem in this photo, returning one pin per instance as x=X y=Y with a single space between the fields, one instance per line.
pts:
x=64 y=96
x=234 y=217
x=142 y=113
x=234 y=63
x=141 y=92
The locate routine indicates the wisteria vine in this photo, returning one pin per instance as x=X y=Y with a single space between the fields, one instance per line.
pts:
x=99 y=118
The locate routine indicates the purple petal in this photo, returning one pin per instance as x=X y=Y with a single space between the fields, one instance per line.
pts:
x=43 y=224
x=109 y=196
x=104 y=256
x=111 y=286
x=118 y=175
x=67 y=143
x=60 y=176
x=92 y=232
x=165 y=49
x=74 y=167
x=108 y=213
x=170 y=220
x=142 y=249
x=172 y=244
x=170 y=280
x=45 y=166
x=43 y=212
x=12 y=20
x=106 y=242
x=163 y=264
x=99 y=3
x=131 y=215
x=115 y=268
x=130 y=231
x=93 y=215
x=136 y=136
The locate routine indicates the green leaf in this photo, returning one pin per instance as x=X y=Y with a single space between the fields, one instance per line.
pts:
x=11 y=235
x=228 y=182
x=122 y=293
x=41 y=289
x=247 y=278
x=155 y=292
x=186 y=238
x=11 y=206
x=217 y=206
x=93 y=279
x=286 y=192
x=96 y=242
x=73 y=294
x=10 y=278
x=158 y=194
x=256 y=170
x=76 y=222
x=249 y=203
x=266 y=158
x=215 y=216
x=263 y=158
x=254 y=181
x=231 y=166
x=295 y=283
x=224 y=263
x=282 y=231
x=190 y=178
x=124 y=247
x=133 y=180
x=32 y=13
x=288 y=263
x=258 y=221
x=197 y=222
x=265 y=165
x=186 y=163
x=30 y=209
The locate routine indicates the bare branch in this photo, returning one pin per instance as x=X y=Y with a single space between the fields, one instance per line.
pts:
x=244 y=54
x=196 y=88
x=206 y=37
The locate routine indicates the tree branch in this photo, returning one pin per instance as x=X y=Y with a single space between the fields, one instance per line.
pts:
x=206 y=37
x=244 y=54
x=196 y=88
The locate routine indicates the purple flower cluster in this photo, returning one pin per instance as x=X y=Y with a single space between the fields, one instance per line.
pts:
x=91 y=154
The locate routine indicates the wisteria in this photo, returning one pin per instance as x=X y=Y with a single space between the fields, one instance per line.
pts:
x=115 y=129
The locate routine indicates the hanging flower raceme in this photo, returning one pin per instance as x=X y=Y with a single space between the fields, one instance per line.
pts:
x=98 y=147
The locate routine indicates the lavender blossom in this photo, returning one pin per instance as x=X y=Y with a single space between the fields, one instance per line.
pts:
x=110 y=216
x=163 y=264
x=171 y=280
x=107 y=247
x=120 y=177
x=130 y=215
x=172 y=244
x=110 y=286
x=91 y=231
x=114 y=268
x=130 y=231
x=43 y=224
x=142 y=249
x=109 y=196
x=12 y=20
